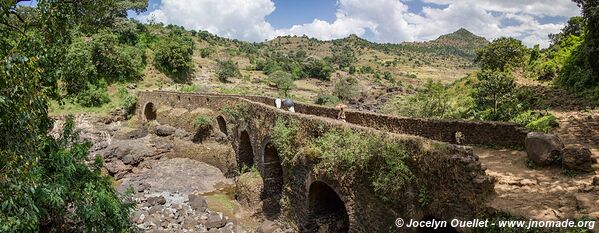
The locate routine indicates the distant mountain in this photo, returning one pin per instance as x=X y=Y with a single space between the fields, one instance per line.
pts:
x=461 y=43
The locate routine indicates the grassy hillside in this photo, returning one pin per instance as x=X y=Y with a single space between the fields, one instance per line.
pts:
x=373 y=69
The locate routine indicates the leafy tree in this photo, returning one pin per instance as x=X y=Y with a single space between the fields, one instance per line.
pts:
x=574 y=27
x=283 y=81
x=317 y=68
x=346 y=88
x=495 y=96
x=173 y=56
x=114 y=61
x=45 y=184
x=430 y=102
x=590 y=14
x=326 y=99
x=501 y=54
x=227 y=69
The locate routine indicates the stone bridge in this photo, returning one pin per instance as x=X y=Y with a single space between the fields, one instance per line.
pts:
x=446 y=180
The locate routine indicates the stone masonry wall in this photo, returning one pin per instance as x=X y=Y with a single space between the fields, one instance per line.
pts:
x=456 y=184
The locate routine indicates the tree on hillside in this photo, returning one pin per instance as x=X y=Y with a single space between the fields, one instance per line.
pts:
x=45 y=183
x=575 y=26
x=501 y=54
x=346 y=88
x=173 y=56
x=590 y=14
x=283 y=81
x=227 y=69
x=495 y=96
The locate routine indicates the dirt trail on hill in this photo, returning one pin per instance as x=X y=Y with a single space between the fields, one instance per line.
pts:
x=543 y=193
x=581 y=128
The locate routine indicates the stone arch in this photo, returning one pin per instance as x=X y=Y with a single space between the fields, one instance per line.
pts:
x=222 y=124
x=272 y=177
x=327 y=210
x=150 y=111
x=245 y=151
x=448 y=228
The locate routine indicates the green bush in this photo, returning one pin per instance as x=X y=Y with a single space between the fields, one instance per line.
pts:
x=190 y=88
x=495 y=96
x=173 y=56
x=114 y=61
x=346 y=88
x=501 y=54
x=93 y=96
x=283 y=81
x=543 y=124
x=316 y=68
x=227 y=69
x=202 y=122
x=69 y=183
x=327 y=100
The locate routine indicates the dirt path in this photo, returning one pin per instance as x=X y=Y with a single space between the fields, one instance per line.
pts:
x=580 y=127
x=544 y=193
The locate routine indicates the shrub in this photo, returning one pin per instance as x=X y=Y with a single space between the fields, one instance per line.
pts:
x=190 y=88
x=543 y=124
x=172 y=56
x=346 y=89
x=202 y=122
x=93 y=96
x=317 y=68
x=328 y=100
x=283 y=81
x=116 y=62
x=227 y=69
x=495 y=96
x=72 y=193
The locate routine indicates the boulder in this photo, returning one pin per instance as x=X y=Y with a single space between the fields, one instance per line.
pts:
x=543 y=149
x=577 y=157
x=268 y=227
x=159 y=200
x=596 y=181
x=197 y=202
x=165 y=130
x=117 y=166
x=215 y=220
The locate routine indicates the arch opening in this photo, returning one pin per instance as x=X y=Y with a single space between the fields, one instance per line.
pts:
x=448 y=228
x=273 y=181
x=222 y=125
x=246 y=152
x=150 y=112
x=327 y=210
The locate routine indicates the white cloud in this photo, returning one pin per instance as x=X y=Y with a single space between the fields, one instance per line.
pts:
x=386 y=20
x=240 y=19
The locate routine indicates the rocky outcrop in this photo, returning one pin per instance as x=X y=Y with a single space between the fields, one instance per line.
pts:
x=543 y=149
x=165 y=130
x=577 y=157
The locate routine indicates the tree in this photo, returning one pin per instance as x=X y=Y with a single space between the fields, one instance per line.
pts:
x=283 y=81
x=227 y=69
x=590 y=14
x=45 y=185
x=346 y=88
x=575 y=26
x=501 y=54
x=316 y=68
x=173 y=56
x=495 y=95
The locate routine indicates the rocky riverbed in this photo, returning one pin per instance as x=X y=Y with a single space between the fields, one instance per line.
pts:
x=173 y=194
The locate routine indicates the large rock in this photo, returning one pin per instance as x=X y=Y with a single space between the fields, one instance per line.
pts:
x=159 y=200
x=165 y=130
x=117 y=166
x=268 y=227
x=543 y=149
x=131 y=151
x=197 y=202
x=577 y=157
x=216 y=220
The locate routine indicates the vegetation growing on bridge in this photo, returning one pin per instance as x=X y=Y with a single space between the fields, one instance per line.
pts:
x=381 y=158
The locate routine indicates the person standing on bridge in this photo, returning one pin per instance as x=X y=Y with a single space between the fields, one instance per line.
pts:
x=287 y=103
x=278 y=103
